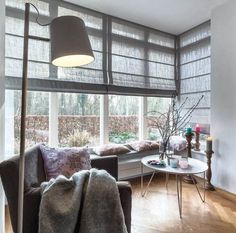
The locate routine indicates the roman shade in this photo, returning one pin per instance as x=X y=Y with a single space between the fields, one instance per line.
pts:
x=141 y=61
x=130 y=59
x=195 y=72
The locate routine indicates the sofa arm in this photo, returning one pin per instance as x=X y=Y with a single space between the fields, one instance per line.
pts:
x=126 y=201
x=108 y=163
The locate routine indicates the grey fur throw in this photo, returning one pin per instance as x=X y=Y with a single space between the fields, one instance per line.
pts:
x=88 y=202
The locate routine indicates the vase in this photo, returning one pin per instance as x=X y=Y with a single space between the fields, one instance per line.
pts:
x=165 y=149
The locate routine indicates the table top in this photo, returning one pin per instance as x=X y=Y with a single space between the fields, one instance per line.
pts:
x=195 y=166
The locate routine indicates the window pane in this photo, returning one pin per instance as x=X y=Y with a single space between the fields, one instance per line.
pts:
x=37 y=120
x=79 y=119
x=42 y=6
x=123 y=118
x=155 y=106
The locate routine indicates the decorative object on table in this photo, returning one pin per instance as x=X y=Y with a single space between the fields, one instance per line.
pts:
x=70 y=47
x=174 y=162
x=159 y=163
x=197 y=135
x=189 y=135
x=169 y=152
x=172 y=121
x=209 y=153
x=183 y=162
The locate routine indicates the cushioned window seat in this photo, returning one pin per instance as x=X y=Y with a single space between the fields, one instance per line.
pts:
x=129 y=164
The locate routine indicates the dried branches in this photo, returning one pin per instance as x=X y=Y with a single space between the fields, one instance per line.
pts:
x=174 y=120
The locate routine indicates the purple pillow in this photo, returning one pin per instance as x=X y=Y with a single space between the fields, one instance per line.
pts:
x=64 y=161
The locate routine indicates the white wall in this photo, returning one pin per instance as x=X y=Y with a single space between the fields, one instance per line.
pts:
x=223 y=95
x=2 y=94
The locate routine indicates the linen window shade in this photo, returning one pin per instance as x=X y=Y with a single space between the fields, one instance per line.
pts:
x=43 y=76
x=141 y=61
x=195 y=72
x=129 y=58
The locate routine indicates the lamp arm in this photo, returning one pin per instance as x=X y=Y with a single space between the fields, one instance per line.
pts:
x=37 y=18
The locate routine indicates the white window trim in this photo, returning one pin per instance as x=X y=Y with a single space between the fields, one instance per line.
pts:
x=142 y=118
x=104 y=119
x=53 y=119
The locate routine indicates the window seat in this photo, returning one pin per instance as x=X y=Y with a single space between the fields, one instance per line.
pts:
x=129 y=164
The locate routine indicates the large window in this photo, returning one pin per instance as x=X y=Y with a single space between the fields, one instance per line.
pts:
x=37 y=120
x=155 y=107
x=79 y=119
x=123 y=118
x=133 y=64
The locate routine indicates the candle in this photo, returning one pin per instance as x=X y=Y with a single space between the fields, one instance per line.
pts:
x=189 y=130
x=174 y=163
x=197 y=128
x=183 y=163
x=209 y=144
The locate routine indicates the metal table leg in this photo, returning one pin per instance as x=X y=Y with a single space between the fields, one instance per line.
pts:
x=149 y=182
x=200 y=195
x=179 y=193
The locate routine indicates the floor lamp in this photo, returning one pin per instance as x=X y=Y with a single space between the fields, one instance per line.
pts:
x=70 y=47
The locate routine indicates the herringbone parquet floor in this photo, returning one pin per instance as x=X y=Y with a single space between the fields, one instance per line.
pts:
x=157 y=212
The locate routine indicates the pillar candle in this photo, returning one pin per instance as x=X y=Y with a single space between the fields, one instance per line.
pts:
x=189 y=130
x=197 y=128
x=209 y=144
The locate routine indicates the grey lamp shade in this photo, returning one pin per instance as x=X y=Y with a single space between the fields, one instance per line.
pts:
x=70 y=45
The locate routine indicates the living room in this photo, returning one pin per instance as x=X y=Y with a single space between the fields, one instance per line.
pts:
x=144 y=60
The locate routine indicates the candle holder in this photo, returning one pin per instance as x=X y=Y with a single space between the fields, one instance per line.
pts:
x=197 y=144
x=189 y=137
x=208 y=185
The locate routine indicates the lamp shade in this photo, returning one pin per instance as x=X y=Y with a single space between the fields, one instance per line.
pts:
x=70 y=46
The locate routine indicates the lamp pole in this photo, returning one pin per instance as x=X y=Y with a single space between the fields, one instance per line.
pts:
x=23 y=118
x=65 y=42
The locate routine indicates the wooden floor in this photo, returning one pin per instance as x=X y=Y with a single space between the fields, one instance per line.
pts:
x=157 y=212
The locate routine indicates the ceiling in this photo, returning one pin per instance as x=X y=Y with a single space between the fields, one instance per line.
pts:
x=173 y=16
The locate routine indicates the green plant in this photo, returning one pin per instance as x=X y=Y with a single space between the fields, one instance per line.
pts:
x=78 y=138
x=152 y=136
x=123 y=137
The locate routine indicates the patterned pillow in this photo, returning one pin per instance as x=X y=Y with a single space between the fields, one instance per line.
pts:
x=111 y=149
x=64 y=161
x=144 y=145
x=179 y=143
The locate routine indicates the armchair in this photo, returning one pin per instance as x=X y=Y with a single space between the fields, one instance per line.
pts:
x=35 y=175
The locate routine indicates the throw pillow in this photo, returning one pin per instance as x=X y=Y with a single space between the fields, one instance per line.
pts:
x=179 y=143
x=144 y=145
x=64 y=161
x=111 y=149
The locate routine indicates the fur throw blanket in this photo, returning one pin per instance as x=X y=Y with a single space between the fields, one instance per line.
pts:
x=88 y=202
